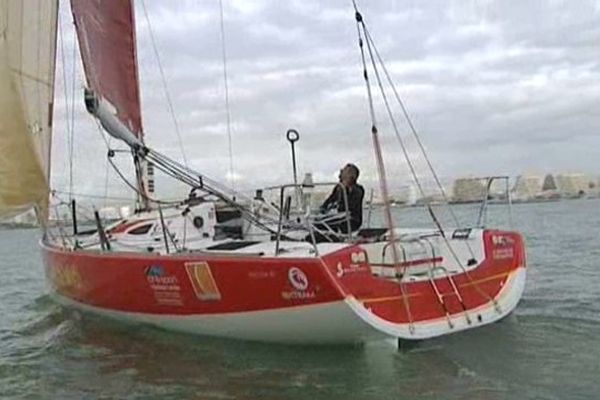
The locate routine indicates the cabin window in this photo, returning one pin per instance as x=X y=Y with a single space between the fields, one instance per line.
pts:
x=140 y=230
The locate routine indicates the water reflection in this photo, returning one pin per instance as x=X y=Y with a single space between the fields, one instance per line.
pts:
x=99 y=356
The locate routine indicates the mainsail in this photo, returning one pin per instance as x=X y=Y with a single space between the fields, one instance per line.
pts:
x=27 y=64
x=106 y=31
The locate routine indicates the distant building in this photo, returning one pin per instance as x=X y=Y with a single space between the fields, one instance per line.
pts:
x=436 y=198
x=319 y=196
x=527 y=187
x=573 y=185
x=549 y=183
x=499 y=188
x=468 y=190
x=594 y=187
x=406 y=195
x=26 y=219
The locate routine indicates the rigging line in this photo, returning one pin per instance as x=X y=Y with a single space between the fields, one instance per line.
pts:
x=170 y=168
x=393 y=120
x=183 y=174
x=90 y=196
x=377 y=147
x=435 y=220
x=173 y=171
x=190 y=178
x=379 y=158
x=371 y=43
x=72 y=130
x=67 y=110
x=164 y=83
x=134 y=187
x=38 y=70
x=227 y=107
x=106 y=176
x=200 y=182
x=118 y=171
x=195 y=175
x=109 y=160
x=409 y=162
x=101 y=133
x=21 y=67
x=79 y=213
x=74 y=58
x=380 y=164
x=412 y=127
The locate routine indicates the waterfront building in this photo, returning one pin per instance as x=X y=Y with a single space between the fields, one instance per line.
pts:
x=467 y=190
x=573 y=185
x=527 y=187
x=549 y=183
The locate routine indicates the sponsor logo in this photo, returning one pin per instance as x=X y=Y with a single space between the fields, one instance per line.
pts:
x=358 y=258
x=357 y=264
x=261 y=274
x=501 y=240
x=503 y=254
x=298 y=278
x=299 y=282
x=155 y=270
x=66 y=278
x=298 y=295
x=159 y=279
x=202 y=281
x=165 y=287
x=352 y=268
x=503 y=247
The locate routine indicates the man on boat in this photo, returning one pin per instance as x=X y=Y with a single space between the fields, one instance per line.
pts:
x=354 y=199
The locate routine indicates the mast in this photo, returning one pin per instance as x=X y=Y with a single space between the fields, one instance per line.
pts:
x=144 y=168
x=387 y=213
x=107 y=41
x=361 y=29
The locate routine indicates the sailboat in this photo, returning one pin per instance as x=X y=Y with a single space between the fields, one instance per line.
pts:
x=183 y=265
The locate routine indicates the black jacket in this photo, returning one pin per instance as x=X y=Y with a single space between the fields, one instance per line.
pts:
x=355 y=194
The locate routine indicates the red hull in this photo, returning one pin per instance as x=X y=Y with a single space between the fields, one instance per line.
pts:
x=204 y=284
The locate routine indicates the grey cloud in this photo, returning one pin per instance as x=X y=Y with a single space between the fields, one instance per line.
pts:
x=489 y=84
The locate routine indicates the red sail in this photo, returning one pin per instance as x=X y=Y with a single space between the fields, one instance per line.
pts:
x=106 y=31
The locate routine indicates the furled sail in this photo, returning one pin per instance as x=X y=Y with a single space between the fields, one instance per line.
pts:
x=106 y=31
x=27 y=64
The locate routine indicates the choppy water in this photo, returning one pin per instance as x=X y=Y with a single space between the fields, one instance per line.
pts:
x=548 y=349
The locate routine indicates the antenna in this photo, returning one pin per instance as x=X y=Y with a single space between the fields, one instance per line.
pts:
x=293 y=136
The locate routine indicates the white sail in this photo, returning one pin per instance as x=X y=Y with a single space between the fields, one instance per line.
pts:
x=27 y=64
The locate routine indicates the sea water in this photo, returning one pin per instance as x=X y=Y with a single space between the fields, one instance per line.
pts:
x=548 y=349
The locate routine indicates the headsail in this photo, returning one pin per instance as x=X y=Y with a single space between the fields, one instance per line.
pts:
x=27 y=64
x=106 y=31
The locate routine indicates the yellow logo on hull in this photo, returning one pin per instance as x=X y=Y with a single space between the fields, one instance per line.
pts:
x=66 y=278
x=202 y=281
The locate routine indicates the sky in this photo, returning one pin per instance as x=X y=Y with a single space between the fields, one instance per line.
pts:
x=493 y=87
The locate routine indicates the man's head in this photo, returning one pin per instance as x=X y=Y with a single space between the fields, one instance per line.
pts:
x=349 y=174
